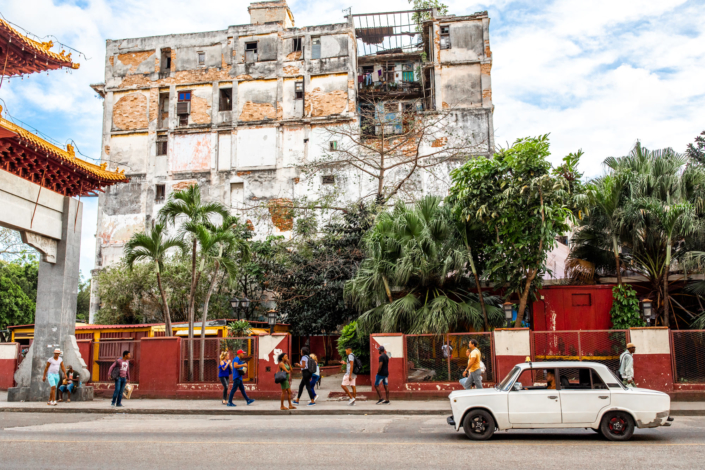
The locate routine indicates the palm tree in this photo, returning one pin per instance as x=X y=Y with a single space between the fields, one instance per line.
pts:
x=417 y=251
x=608 y=198
x=219 y=246
x=189 y=205
x=152 y=246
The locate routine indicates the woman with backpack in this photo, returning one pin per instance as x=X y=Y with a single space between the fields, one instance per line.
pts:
x=315 y=377
x=285 y=366
x=308 y=367
x=224 y=374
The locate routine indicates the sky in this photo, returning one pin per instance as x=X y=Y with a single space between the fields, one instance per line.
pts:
x=597 y=75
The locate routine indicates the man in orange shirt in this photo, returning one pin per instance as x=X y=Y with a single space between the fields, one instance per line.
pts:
x=473 y=368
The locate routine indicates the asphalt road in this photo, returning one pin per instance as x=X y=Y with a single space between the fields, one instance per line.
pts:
x=76 y=441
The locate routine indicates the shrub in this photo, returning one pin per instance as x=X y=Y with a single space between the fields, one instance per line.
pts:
x=625 y=308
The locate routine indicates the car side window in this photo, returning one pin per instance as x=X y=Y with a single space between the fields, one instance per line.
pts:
x=575 y=379
x=597 y=382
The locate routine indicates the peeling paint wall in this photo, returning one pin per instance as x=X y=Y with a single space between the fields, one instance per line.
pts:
x=191 y=152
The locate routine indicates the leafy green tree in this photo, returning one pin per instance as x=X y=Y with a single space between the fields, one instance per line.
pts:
x=696 y=151
x=414 y=278
x=625 y=308
x=525 y=204
x=359 y=342
x=152 y=246
x=15 y=307
x=83 y=299
x=420 y=16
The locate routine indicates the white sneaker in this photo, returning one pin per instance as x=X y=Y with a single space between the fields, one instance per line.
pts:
x=352 y=402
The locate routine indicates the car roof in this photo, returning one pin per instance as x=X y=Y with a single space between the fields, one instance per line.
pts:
x=560 y=365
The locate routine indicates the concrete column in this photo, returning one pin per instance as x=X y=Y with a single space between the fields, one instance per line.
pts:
x=652 y=358
x=95 y=296
x=511 y=346
x=55 y=319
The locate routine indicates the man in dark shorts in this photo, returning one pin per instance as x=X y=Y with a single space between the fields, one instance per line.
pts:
x=382 y=376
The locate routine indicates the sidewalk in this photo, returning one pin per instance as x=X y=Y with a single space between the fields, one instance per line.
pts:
x=270 y=407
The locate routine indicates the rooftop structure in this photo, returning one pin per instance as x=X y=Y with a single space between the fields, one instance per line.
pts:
x=23 y=55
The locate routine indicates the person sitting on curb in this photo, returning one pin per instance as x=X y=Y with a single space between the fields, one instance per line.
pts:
x=51 y=372
x=71 y=384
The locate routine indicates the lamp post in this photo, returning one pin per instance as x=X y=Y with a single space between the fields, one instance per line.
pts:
x=239 y=305
x=272 y=320
x=507 y=306
x=647 y=310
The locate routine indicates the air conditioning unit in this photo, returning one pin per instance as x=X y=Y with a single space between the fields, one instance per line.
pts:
x=183 y=107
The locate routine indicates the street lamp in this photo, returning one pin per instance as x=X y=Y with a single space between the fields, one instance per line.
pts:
x=235 y=305
x=507 y=306
x=272 y=320
x=239 y=305
x=647 y=310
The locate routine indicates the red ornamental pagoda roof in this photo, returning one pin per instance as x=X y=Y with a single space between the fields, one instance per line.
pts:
x=20 y=55
x=28 y=156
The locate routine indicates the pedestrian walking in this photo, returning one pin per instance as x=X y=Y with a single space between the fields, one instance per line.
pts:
x=382 y=376
x=626 y=366
x=51 y=371
x=473 y=371
x=315 y=378
x=308 y=367
x=224 y=372
x=285 y=366
x=120 y=373
x=70 y=385
x=349 y=377
x=239 y=366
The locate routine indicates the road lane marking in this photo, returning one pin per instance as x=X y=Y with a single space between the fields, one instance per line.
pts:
x=336 y=443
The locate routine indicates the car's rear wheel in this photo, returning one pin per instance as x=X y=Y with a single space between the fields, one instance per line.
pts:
x=617 y=426
x=478 y=425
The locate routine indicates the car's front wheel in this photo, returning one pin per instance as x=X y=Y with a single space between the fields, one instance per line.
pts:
x=478 y=425
x=617 y=426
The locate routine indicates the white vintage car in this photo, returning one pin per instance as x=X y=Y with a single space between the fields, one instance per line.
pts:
x=565 y=394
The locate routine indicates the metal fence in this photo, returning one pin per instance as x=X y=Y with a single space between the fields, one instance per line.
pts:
x=442 y=358
x=603 y=346
x=688 y=356
x=211 y=357
x=110 y=351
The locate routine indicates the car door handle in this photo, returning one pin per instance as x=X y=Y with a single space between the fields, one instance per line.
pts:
x=552 y=397
x=603 y=397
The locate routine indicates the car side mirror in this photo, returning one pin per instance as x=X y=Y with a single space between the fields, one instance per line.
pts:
x=517 y=386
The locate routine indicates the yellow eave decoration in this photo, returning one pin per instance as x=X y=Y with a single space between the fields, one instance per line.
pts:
x=68 y=155
x=42 y=47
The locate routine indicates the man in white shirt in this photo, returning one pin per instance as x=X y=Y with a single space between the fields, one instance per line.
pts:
x=349 y=378
x=626 y=366
x=51 y=372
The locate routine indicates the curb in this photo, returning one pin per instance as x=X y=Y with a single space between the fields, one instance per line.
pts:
x=687 y=413
x=245 y=412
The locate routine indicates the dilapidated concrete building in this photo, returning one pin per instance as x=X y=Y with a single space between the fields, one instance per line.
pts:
x=239 y=111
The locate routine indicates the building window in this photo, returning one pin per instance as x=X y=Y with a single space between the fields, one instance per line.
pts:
x=328 y=179
x=237 y=194
x=184 y=96
x=201 y=58
x=297 y=45
x=299 y=90
x=165 y=63
x=250 y=52
x=226 y=99
x=445 y=37
x=183 y=107
x=316 y=48
x=161 y=147
x=163 y=110
x=159 y=193
x=333 y=145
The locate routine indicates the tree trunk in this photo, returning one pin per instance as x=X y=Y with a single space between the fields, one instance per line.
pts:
x=666 y=310
x=167 y=316
x=386 y=287
x=201 y=365
x=524 y=298
x=616 y=259
x=479 y=288
x=191 y=313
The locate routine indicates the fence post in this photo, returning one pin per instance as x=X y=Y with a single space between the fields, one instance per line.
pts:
x=395 y=345
x=8 y=364
x=652 y=359
x=580 y=347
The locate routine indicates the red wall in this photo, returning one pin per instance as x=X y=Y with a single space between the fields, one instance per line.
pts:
x=8 y=364
x=396 y=366
x=573 y=308
x=159 y=366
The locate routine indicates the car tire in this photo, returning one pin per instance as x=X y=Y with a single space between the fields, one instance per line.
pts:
x=617 y=426
x=478 y=425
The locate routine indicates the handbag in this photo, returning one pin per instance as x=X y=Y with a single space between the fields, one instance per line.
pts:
x=280 y=377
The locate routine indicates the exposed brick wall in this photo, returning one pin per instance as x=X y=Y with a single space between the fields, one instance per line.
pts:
x=130 y=112
x=319 y=103
x=257 y=111
x=291 y=70
x=294 y=55
x=153 y=103
x=487 y=94
x=281 y=212
x=200 y=110
x=179 y=78
x=485 y=68
x=183 y=185
x=134 y=59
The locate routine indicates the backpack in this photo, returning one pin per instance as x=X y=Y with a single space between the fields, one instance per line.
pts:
x=115 y=373
x=357 y=365
x=311 y=365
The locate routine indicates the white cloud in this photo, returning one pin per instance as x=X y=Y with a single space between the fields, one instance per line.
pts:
x=597 y=75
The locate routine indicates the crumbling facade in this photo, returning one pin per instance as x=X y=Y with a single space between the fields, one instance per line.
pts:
x=238 y=111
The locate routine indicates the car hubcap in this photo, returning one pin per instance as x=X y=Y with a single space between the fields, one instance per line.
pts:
x=478 y=424
x=617 y=425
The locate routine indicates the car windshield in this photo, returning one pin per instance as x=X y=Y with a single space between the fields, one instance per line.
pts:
x=508 y=379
